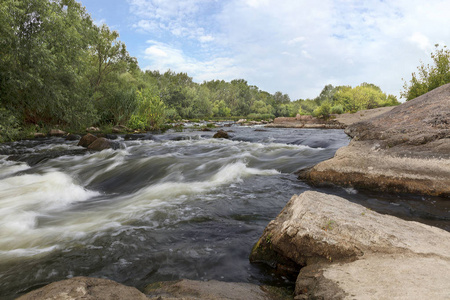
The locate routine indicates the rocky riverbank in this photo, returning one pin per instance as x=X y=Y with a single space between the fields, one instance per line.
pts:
x=87 y=288
x=343 y=250
x=406 y=149
x=336 y=122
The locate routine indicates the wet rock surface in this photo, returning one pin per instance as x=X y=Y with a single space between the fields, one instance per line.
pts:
x=85 y=288
x=213 y=290
x=221 y=134
x=350 y=252
x=406 y=149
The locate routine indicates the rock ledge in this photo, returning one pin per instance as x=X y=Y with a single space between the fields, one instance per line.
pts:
x=350 y=252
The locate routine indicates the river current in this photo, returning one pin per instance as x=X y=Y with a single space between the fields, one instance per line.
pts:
x=169 y=206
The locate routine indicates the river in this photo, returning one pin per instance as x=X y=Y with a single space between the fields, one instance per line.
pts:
x=173 y=205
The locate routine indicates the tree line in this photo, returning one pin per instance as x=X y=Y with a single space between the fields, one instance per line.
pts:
x=58 y=68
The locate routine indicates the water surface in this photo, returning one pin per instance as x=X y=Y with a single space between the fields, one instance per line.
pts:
x=174 y=205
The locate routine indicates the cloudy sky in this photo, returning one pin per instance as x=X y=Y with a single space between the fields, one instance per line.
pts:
x=293 y=46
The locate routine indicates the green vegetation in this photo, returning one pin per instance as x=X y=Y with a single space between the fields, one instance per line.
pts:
x=57 y=68
x=429 y=77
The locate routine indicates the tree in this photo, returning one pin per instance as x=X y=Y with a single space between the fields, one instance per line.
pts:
x=44 y=46
x=429 y=77
x=150 y=111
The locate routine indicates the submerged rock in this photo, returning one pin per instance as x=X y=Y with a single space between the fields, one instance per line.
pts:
x=406 y=149
x=221 y=134
x=102 y=144
x=72 y=137
x=85 y=288
x=86 y=140
x=349 y=251
x=138 y=136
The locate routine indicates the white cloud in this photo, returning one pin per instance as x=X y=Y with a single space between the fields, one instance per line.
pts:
x=100 y=22
x=296 y=40
x=161 y=56
x=206 y=38
x=420 y=40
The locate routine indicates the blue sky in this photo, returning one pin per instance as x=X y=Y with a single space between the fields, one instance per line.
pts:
x=293 y=46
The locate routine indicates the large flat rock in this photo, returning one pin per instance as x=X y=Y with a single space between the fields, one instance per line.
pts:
x=406 y=149
x=85 y=288
x=347 y=251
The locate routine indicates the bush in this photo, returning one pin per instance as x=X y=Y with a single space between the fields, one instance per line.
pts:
x=323 y=111
x=429 y=77
x=337 y=109
x=9 y=126
x=150 y=112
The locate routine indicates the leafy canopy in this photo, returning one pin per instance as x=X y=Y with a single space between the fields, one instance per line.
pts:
x=428 y=76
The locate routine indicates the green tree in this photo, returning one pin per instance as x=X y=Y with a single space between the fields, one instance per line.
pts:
x=44 y=46
x=220 y=109
x=429 y=77
x=150 y=111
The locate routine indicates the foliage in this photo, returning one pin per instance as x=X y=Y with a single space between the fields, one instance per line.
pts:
x=323 y=111
x=58 y=68
x=150 y=111
x=429 y=77
x=9 y=126
x=337 y=109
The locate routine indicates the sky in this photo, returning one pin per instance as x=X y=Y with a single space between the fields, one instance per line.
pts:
x=293 y=46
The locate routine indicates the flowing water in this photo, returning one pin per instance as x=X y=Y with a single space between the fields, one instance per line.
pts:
x=168 y=206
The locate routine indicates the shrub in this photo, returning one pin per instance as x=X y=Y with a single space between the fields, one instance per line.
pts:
x=323 y=111
x=337 y=109
x=9 y=126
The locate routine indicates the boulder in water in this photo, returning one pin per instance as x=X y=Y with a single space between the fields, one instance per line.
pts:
x=73 y=137
x=101 y=144
x=221 y=134
x=344 y=248
x=86 y=140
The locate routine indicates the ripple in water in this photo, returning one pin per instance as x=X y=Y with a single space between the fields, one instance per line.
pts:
x=182 y=205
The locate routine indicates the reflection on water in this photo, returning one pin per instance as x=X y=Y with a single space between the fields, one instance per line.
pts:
x=181 y=205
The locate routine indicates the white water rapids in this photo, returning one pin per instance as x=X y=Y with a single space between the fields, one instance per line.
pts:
x=176 y=205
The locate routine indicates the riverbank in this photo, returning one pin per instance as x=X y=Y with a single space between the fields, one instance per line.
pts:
x=406 y=149
x=338 y=121
x=343 y=250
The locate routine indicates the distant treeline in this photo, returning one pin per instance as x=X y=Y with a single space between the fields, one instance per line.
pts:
x=58 y=68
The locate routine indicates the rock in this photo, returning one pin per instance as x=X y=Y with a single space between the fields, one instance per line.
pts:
x=92 y=129
x=101 y=144
x=207 y=290
x=120 y=128
x=72 y=137
x=138 y=136
x=406 y=149
x=241 y=121
x=39 y=135
x=56 y=132
x=86 y=140
x=347 y=249
x=85 y=288
x=362 y=115
x=221 y=134
x=111 y=136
